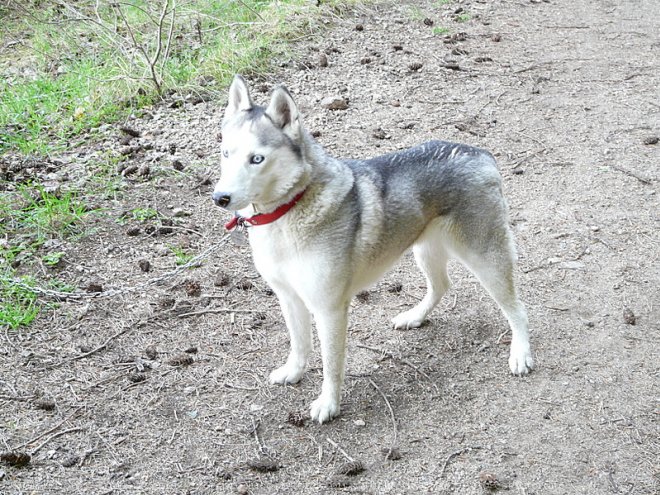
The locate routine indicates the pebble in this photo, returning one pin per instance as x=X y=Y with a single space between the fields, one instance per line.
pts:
x=334 y=103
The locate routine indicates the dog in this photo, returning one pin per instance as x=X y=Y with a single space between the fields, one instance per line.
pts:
x=322 y=229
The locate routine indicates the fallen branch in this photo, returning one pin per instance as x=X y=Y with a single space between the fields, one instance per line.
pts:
x=389 y=355
x=395 y=433
x=643 y=180
x=336 y=445
x=454 y=454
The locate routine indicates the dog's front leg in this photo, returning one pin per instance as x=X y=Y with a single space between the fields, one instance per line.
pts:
x=298 y=321
x=331 y=324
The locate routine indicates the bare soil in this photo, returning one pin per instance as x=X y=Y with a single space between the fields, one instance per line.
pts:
x=129 y=392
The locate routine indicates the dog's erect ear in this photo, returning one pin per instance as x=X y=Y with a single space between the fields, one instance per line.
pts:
x=283 y=111
x=239 y=97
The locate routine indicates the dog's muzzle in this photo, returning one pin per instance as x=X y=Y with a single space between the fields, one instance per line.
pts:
x=221 y=199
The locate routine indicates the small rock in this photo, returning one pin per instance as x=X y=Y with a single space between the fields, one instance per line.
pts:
x=144 y=265
x=242 y=490
x=365 y=60
x=629 y=316
x=334 y=103
x=323 y=60
x=651 y=140
x=496 y=37
x=191 y=350
x=359 y=27
x=428 y=22
x=177 y=165
x=397 y=47
x=359 y=422
x=315 y=134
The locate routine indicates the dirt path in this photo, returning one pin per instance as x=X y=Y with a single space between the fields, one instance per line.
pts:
x=148 y=400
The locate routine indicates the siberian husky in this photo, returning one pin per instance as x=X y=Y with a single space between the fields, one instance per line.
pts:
x=322 y=229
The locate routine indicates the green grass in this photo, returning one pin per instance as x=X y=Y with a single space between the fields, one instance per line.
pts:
x=18 y=304
x=463 y=17
x=61 y=77
x=440 y=30
x=181 y=256
x=29 y=217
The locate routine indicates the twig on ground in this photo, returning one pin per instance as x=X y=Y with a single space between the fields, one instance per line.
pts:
x=343 y=452
x=219 y=310
x=648 y=182
x=395 y=432
x=454 y=454
x=53 y=437
x=389 y=355
x=102 y=346
x=255 y=429
x=70 y=416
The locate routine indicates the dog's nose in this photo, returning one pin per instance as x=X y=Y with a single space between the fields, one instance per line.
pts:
x=221 y=199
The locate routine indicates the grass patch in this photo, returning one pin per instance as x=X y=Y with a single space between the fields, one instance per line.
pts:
x=18 y=304
x=70 y=67
x=463 y=17
x=181 y=257
x=440 y=30
x=28 y=218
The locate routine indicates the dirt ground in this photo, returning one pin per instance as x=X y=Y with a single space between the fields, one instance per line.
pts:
x=159 y=385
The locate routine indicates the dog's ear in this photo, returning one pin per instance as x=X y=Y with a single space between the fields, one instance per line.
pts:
x=239 y=97
x=283 y=111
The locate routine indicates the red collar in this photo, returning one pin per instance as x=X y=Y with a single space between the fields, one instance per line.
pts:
x=264 y=218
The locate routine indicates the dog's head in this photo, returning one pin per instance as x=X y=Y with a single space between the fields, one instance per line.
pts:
x=262 y=159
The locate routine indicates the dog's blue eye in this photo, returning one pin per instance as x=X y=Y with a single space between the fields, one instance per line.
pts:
x=225 y=153
x=256 y=159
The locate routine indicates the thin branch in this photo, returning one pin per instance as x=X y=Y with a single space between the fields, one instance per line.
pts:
x=53 y=437
x=102 y=346
x=336 y=445
x=70 y=416
x=394 y=427
x=454 y=454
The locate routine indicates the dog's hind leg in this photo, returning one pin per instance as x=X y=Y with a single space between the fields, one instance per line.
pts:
x=432 y=259
x=299 y=323
x=492 y=263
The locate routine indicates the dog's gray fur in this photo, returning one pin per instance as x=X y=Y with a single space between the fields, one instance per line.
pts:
x=354 y=221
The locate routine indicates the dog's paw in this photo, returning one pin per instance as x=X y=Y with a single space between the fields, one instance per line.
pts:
x=286 y=374
x=324 y=409
x=408 y=319
x=521 y=361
